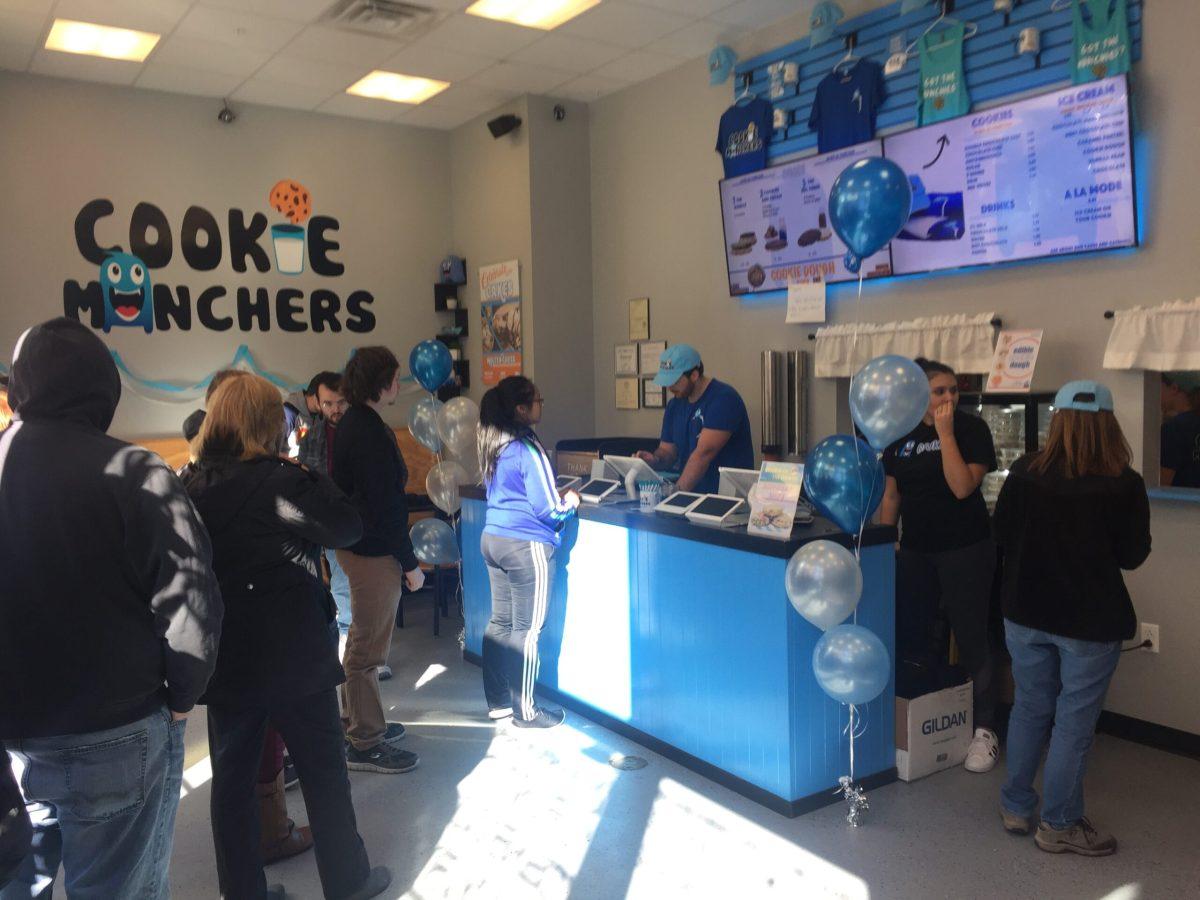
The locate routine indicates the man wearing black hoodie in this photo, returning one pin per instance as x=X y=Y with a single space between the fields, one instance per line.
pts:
x=109 y=620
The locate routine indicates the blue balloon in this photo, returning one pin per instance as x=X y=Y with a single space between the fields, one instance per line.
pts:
x=844 y=478
x=868 y=205
x=851 y=664
x=430 y=364
x=434 y=542
x=852 y=262
x=888 y=399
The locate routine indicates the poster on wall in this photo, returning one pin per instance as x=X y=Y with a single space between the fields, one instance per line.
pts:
x=1041 y=177
x=500 y=309
x=777 y=227
x=1015 y=361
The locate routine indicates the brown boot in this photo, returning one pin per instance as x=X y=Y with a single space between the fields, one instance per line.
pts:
x=279 y=836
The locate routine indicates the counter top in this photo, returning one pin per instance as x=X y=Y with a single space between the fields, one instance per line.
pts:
x=629 y=515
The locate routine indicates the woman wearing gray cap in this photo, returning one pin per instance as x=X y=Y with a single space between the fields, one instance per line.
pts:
x=1070 y=517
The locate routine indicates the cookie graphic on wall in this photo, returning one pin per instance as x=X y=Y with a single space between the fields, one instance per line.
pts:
x=292 y=200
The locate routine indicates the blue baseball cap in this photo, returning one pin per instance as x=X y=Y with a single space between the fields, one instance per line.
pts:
x=674 y=363
x=824 y=16
x=1085 y=396
x=907 y=6
x=720 y=64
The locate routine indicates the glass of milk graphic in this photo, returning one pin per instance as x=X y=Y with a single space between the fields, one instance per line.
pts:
x=289 y=248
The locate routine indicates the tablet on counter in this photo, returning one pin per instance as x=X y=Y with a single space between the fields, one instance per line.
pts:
x=596 y=490
x=713 y=509
x=679 y=503
x=567 y=482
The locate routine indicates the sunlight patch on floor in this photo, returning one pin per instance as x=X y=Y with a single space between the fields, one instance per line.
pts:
x=195 y=775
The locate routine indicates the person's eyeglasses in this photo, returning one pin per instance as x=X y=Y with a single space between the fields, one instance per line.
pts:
x=334 y=404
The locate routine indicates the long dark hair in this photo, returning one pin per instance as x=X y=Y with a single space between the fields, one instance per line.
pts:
x=932 y=367
x=498 y=423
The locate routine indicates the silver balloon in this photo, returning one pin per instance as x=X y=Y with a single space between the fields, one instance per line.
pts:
x=422 y=422
x=888 y=399
x=851 y=664
x=442 y=483
x=824 y=583
x=434 y=542
x=468 y=457
x=458 y=422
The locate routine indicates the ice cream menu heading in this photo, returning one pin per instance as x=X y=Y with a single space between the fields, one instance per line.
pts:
x=1041 y=177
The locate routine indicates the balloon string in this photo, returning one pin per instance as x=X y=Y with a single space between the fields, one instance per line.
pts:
x=852 y=711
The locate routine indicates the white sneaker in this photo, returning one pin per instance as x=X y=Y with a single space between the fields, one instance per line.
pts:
x=983 y=752
x=384 y=672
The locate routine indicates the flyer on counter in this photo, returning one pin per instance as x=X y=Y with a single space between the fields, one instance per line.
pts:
x=1014 y=361
x=774 y=499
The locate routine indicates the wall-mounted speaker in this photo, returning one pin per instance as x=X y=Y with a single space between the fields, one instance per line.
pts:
x=502 y=125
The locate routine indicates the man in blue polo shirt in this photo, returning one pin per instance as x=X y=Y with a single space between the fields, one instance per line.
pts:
x=705 y=425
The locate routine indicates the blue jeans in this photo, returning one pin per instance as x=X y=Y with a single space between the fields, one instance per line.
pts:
x=106 y=805
x=1060 y=687
x=339 y=586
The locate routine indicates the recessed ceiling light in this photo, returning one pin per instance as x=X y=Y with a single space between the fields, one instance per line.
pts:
x=544 y=14
x=100 y=40
x=380 y=85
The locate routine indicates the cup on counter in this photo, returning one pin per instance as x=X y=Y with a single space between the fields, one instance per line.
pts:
x=650 y=494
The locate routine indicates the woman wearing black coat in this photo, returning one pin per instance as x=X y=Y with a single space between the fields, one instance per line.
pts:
x=268 y=519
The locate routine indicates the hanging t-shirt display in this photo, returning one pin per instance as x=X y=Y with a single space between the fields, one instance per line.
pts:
x=1101 y=45
x=843 y=110
x=743 y=135
x=942 y=92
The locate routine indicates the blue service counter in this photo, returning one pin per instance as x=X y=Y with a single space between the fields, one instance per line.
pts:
x=682 y=638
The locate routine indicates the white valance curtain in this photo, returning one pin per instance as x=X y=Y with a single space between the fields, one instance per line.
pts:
x=1160 y=338
x=963 y=342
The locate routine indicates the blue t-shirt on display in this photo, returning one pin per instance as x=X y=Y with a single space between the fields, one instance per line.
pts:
x=843 y=111
x=743 y=135
x=721 y=408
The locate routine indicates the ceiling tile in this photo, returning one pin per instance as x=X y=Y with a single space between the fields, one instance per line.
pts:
x=211 y=56
x=471 y=98
x=281 y=93
x=522 y=78
x=436 y=62
x=425 y=116
x=288 y=68
x=15 y=56
x=483 y=36
x=616 y=22
x=158 y=16
x=697 y=8
x=360 y=108
x=752 y=14
x=238 y=29
x=84 y=68
x=589 y=88
x=160 y=76
x=696 y=40
x=562 y=51
x=24 y=27
x=338 y=46
x=292 y=10
x=638 y=66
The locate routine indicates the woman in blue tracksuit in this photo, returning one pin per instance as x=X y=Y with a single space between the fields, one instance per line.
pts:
x=520 y=538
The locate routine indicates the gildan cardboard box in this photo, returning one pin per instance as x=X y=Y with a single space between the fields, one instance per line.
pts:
x=933 y=731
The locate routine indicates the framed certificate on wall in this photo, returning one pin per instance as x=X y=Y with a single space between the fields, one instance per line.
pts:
x=626 y=359
x=649 y=352
x=639 y=319
x=653 y=396
x=627 y=393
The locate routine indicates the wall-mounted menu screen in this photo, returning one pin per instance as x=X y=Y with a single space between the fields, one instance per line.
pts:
x=1041 y=177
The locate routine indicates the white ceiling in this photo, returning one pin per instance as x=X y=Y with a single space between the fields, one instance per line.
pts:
x=275 y=52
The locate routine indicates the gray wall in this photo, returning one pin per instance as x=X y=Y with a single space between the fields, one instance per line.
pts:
x=656 y=231
x=66 y=143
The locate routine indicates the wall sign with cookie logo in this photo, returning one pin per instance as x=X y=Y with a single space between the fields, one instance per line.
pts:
x=126 y=294
x=500 y=309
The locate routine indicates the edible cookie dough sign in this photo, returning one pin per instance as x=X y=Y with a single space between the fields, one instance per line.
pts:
x=125 y=295
x=500 y=308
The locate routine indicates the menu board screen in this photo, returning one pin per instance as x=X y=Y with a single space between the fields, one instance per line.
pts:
x=1041 y=177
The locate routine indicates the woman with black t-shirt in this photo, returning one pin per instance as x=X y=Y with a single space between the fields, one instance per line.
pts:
x=933 y=478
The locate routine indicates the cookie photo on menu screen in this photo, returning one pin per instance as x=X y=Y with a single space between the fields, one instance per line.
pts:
x=756 y=276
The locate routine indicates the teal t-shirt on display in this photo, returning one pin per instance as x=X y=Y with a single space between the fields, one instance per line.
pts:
x=942 y=93
x=1101 y=45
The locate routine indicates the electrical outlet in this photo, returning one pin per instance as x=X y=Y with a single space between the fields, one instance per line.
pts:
x=1150 y=633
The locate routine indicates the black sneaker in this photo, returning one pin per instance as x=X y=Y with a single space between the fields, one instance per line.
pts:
x=393 y=733
x=377 y=882
x=543 y=718
x=291 y=777
x=382 y=758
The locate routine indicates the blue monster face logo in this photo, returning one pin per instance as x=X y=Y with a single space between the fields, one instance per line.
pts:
x=125 y=281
